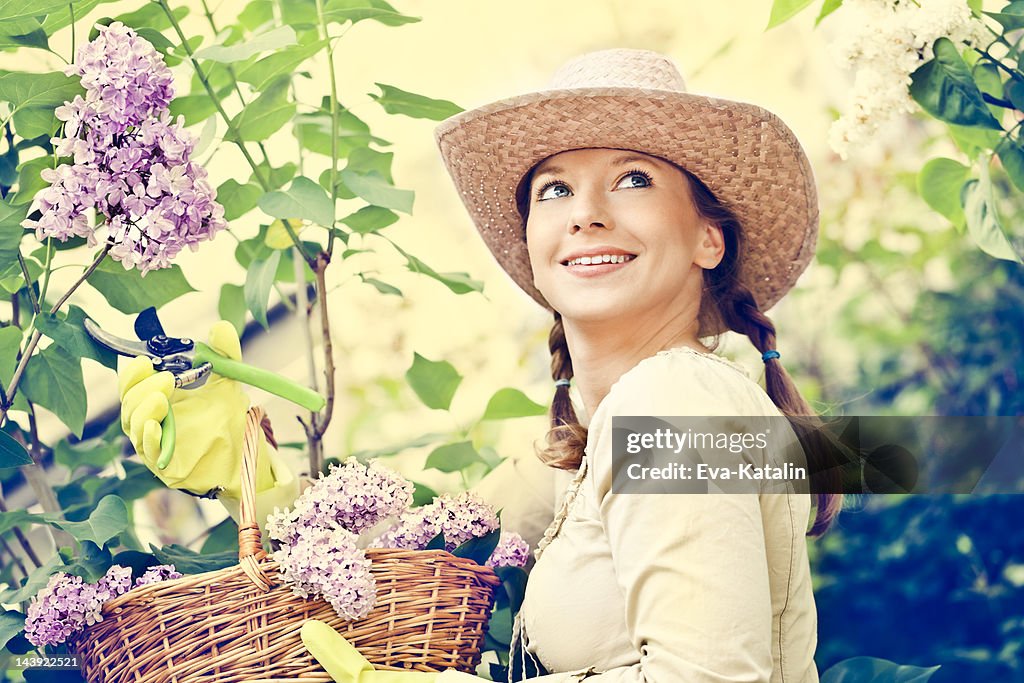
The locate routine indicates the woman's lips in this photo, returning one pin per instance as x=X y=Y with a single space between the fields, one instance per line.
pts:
x=596 y=270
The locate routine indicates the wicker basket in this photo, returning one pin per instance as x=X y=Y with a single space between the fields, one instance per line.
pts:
x=241 y=624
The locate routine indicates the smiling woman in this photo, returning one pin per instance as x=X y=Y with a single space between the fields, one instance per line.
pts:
x=649 y=220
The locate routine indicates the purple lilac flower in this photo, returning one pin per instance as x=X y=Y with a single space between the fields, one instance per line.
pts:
x=67 y=603
x=160 y=572
x=459 y=518
x=328 y=563
x=131 y=162
x=352 y=496
x=511 y=551
x=125 y=79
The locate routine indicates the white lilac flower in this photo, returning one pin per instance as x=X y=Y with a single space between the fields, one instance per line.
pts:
x=884 y=41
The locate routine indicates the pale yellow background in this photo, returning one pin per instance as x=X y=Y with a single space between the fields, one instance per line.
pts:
x=473 y=52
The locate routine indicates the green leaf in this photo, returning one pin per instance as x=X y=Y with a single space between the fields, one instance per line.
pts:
x=11 y=231
x=93 y=454
x=314 y=133
x=222 y=538
x=108 y=520
x=303 y=199
x=256 y=13
x=137 y=483
x=274 y=177
x=418 y=442
x=436 y=543
x=10 y=343
x=267 y=113
x=944 y=88
x=231 y=306
x=69 y=333
x=195 y=108
x=1011 y=154
x=509 y=403
x=20 y=9
x=370 y=219
x=514 y=581
x=258 y=282
x=40 y=92
x=422 y=495
x=983 y=224
x=53 y=379
x=237 y=199
x=359 y=10
x=1014 y=91
x=190 y=562
x=939 y=184
x=29 y=179
x=130 y=292
x=434 y=382
x=150 y=16
x=828 y=8
x=274 y=39
x=972 y=141
x=375 y=190
x=397 y=101
x=36 y=581
x=479 y=549
x=382 y=287
x=260 y=74
x=11 y=624
x=860 y=669
x=784 y=10
x=12 y=453
x=460 y=283
x=453 y=457
x=1010 y=17
x=361 y=160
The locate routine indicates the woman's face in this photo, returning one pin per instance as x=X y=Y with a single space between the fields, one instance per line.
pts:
x=613 y=234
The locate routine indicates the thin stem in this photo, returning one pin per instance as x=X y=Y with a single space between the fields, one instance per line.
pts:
x=988 y=55
x=319 y=423
x=20 y=537
x=28 y=284
x=12 y=387
x=334 y=123
x=234 y=78
x=233 y=133
x=71 y=9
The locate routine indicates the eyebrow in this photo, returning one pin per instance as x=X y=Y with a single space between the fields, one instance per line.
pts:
x=617 y=161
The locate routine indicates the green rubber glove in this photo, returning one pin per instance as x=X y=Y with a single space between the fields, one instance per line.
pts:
x=209 y=423
x=344 y=663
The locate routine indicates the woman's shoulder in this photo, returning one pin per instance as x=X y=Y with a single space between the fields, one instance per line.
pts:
x=684 y=381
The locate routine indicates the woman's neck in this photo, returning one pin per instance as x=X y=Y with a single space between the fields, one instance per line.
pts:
x=602 y=352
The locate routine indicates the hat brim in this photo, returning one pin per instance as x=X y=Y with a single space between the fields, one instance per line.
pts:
x=744 y=154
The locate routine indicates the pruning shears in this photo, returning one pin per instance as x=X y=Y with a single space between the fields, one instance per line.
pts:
x=191 y=363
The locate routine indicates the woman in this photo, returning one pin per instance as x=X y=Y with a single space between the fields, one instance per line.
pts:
x=646 y=219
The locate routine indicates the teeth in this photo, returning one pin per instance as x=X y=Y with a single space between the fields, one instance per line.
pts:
x=603 y=258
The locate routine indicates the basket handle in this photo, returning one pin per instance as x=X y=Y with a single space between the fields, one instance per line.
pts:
x=250 y=542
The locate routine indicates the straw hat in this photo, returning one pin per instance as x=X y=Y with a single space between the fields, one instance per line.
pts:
x=637 y=100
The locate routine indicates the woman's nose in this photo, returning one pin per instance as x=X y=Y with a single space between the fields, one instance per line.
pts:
x=589 y=211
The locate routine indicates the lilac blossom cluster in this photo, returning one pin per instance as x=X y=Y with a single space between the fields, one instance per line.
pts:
x=512 y=551
x=131 y=162
x=318 y=554
x=459 y=518
x=317 y=551
x=68 y=604
x=352 y=496
x=328 y=563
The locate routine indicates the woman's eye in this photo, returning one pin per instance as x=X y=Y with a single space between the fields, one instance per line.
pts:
x=553 y=190
x=635 y=179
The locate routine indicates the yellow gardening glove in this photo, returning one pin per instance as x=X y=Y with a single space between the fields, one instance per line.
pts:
x=344 y=663
x=209 y=423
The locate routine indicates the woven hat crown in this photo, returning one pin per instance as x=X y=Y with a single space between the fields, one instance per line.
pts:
x=619 y=68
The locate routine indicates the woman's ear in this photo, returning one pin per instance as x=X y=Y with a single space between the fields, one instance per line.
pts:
x=710 y=246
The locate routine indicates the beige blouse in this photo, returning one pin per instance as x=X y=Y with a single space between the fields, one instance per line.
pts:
x=692 y=588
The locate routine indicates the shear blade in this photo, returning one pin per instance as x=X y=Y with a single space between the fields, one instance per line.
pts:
x=147 y=324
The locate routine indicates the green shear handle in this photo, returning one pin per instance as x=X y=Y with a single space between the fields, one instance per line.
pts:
x=247 y=374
